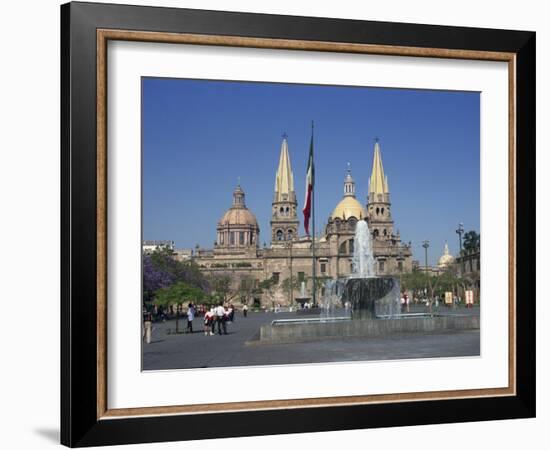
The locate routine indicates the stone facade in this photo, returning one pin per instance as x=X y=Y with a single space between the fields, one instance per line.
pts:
x=288 y=259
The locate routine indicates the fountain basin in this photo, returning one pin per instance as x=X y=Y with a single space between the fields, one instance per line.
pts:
x=372 y=296
x=306 y=330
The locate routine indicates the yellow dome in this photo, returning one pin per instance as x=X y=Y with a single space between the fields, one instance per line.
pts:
x=348 y=207
x=446 y=259
x=238 y=216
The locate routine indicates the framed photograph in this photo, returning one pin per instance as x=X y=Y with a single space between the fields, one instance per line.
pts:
x=277 y=224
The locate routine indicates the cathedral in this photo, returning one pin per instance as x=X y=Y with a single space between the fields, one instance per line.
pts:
x=288 y=259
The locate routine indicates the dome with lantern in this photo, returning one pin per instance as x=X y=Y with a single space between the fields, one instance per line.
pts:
x=349 y=206
x=446 y=259
x=238 y=226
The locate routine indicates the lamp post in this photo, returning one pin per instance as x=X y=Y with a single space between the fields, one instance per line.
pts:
x=460 y=232
x=289 y=245
x=426 y=244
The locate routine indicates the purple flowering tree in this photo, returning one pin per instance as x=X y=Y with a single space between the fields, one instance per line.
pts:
x=161 y=270
x=154 y=278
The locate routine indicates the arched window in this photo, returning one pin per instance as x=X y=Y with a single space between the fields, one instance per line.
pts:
x=282 y=210
x=385 y=232
x=375 y=233
x=290 y=234
x=287 y=210
x=377 y=211
x=343 y=247
x=351 y=246
x=221 y=238
x=279 y=235
x=382 y=210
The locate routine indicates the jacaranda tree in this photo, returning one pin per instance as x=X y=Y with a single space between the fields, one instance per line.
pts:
x=162 y=270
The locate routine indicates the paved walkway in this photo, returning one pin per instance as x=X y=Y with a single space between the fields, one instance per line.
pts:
x=171 y=351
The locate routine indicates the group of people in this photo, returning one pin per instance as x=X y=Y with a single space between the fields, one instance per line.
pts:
x=218 y=316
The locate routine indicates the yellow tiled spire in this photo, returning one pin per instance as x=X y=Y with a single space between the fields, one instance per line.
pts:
x=378 y=182
x=284 y=179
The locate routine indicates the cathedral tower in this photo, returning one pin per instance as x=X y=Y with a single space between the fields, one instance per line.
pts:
x=284 y=221
x=378 y=203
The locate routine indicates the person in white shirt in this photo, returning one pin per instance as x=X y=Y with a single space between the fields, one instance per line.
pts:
x=190 y=317
x=220 y=319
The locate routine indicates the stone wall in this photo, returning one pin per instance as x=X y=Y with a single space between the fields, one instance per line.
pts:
x=304 y=332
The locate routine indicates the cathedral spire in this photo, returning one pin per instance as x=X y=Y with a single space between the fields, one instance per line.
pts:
x=284 y=179
x=378 y=202
x=284 y=222
x=378 y=182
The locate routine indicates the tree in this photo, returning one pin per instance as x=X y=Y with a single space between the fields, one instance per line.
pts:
x=161 y=269
x=289 y=286
x=269 y=287
x=471 y=241
x=177 y=294
x=320 y=282
x=154 y=278
x=222 y=288
x=247 y=288
x=446 y=282
x=415 y=281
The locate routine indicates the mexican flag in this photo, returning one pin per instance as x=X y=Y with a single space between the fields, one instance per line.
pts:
x=310 y=174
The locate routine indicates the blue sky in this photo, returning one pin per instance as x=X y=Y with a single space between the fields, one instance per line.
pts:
x=200 y=136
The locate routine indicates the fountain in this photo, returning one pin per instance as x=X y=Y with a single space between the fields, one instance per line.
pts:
x=331 y=306
x=367 y=294
x=357 y=306
x=303 y=298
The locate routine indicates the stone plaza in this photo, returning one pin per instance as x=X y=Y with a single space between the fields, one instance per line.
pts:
x=242 y=345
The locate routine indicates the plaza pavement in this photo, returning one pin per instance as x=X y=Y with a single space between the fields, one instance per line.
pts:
x=181 y=351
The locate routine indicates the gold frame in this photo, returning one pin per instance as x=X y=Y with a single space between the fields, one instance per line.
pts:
x=103 y=36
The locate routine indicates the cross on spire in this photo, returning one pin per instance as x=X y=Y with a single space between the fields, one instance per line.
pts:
x=285 y=136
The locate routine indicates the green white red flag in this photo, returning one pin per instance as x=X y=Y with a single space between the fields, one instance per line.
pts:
x=310 y=175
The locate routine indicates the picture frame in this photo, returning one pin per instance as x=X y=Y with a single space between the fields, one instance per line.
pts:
x=86 y=418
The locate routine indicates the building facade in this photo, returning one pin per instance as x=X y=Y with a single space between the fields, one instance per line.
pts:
x=151 y=246
x=288 y=259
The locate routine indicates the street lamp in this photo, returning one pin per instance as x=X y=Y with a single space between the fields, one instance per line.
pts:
x=289 y=246
x=460 y=232
x=426 y=244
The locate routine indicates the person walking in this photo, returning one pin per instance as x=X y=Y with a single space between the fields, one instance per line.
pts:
x=245 y=310
x=220 y=319
x=190 y=317
x=208 y=322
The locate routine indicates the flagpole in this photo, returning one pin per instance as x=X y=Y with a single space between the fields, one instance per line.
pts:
x=314 y=296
